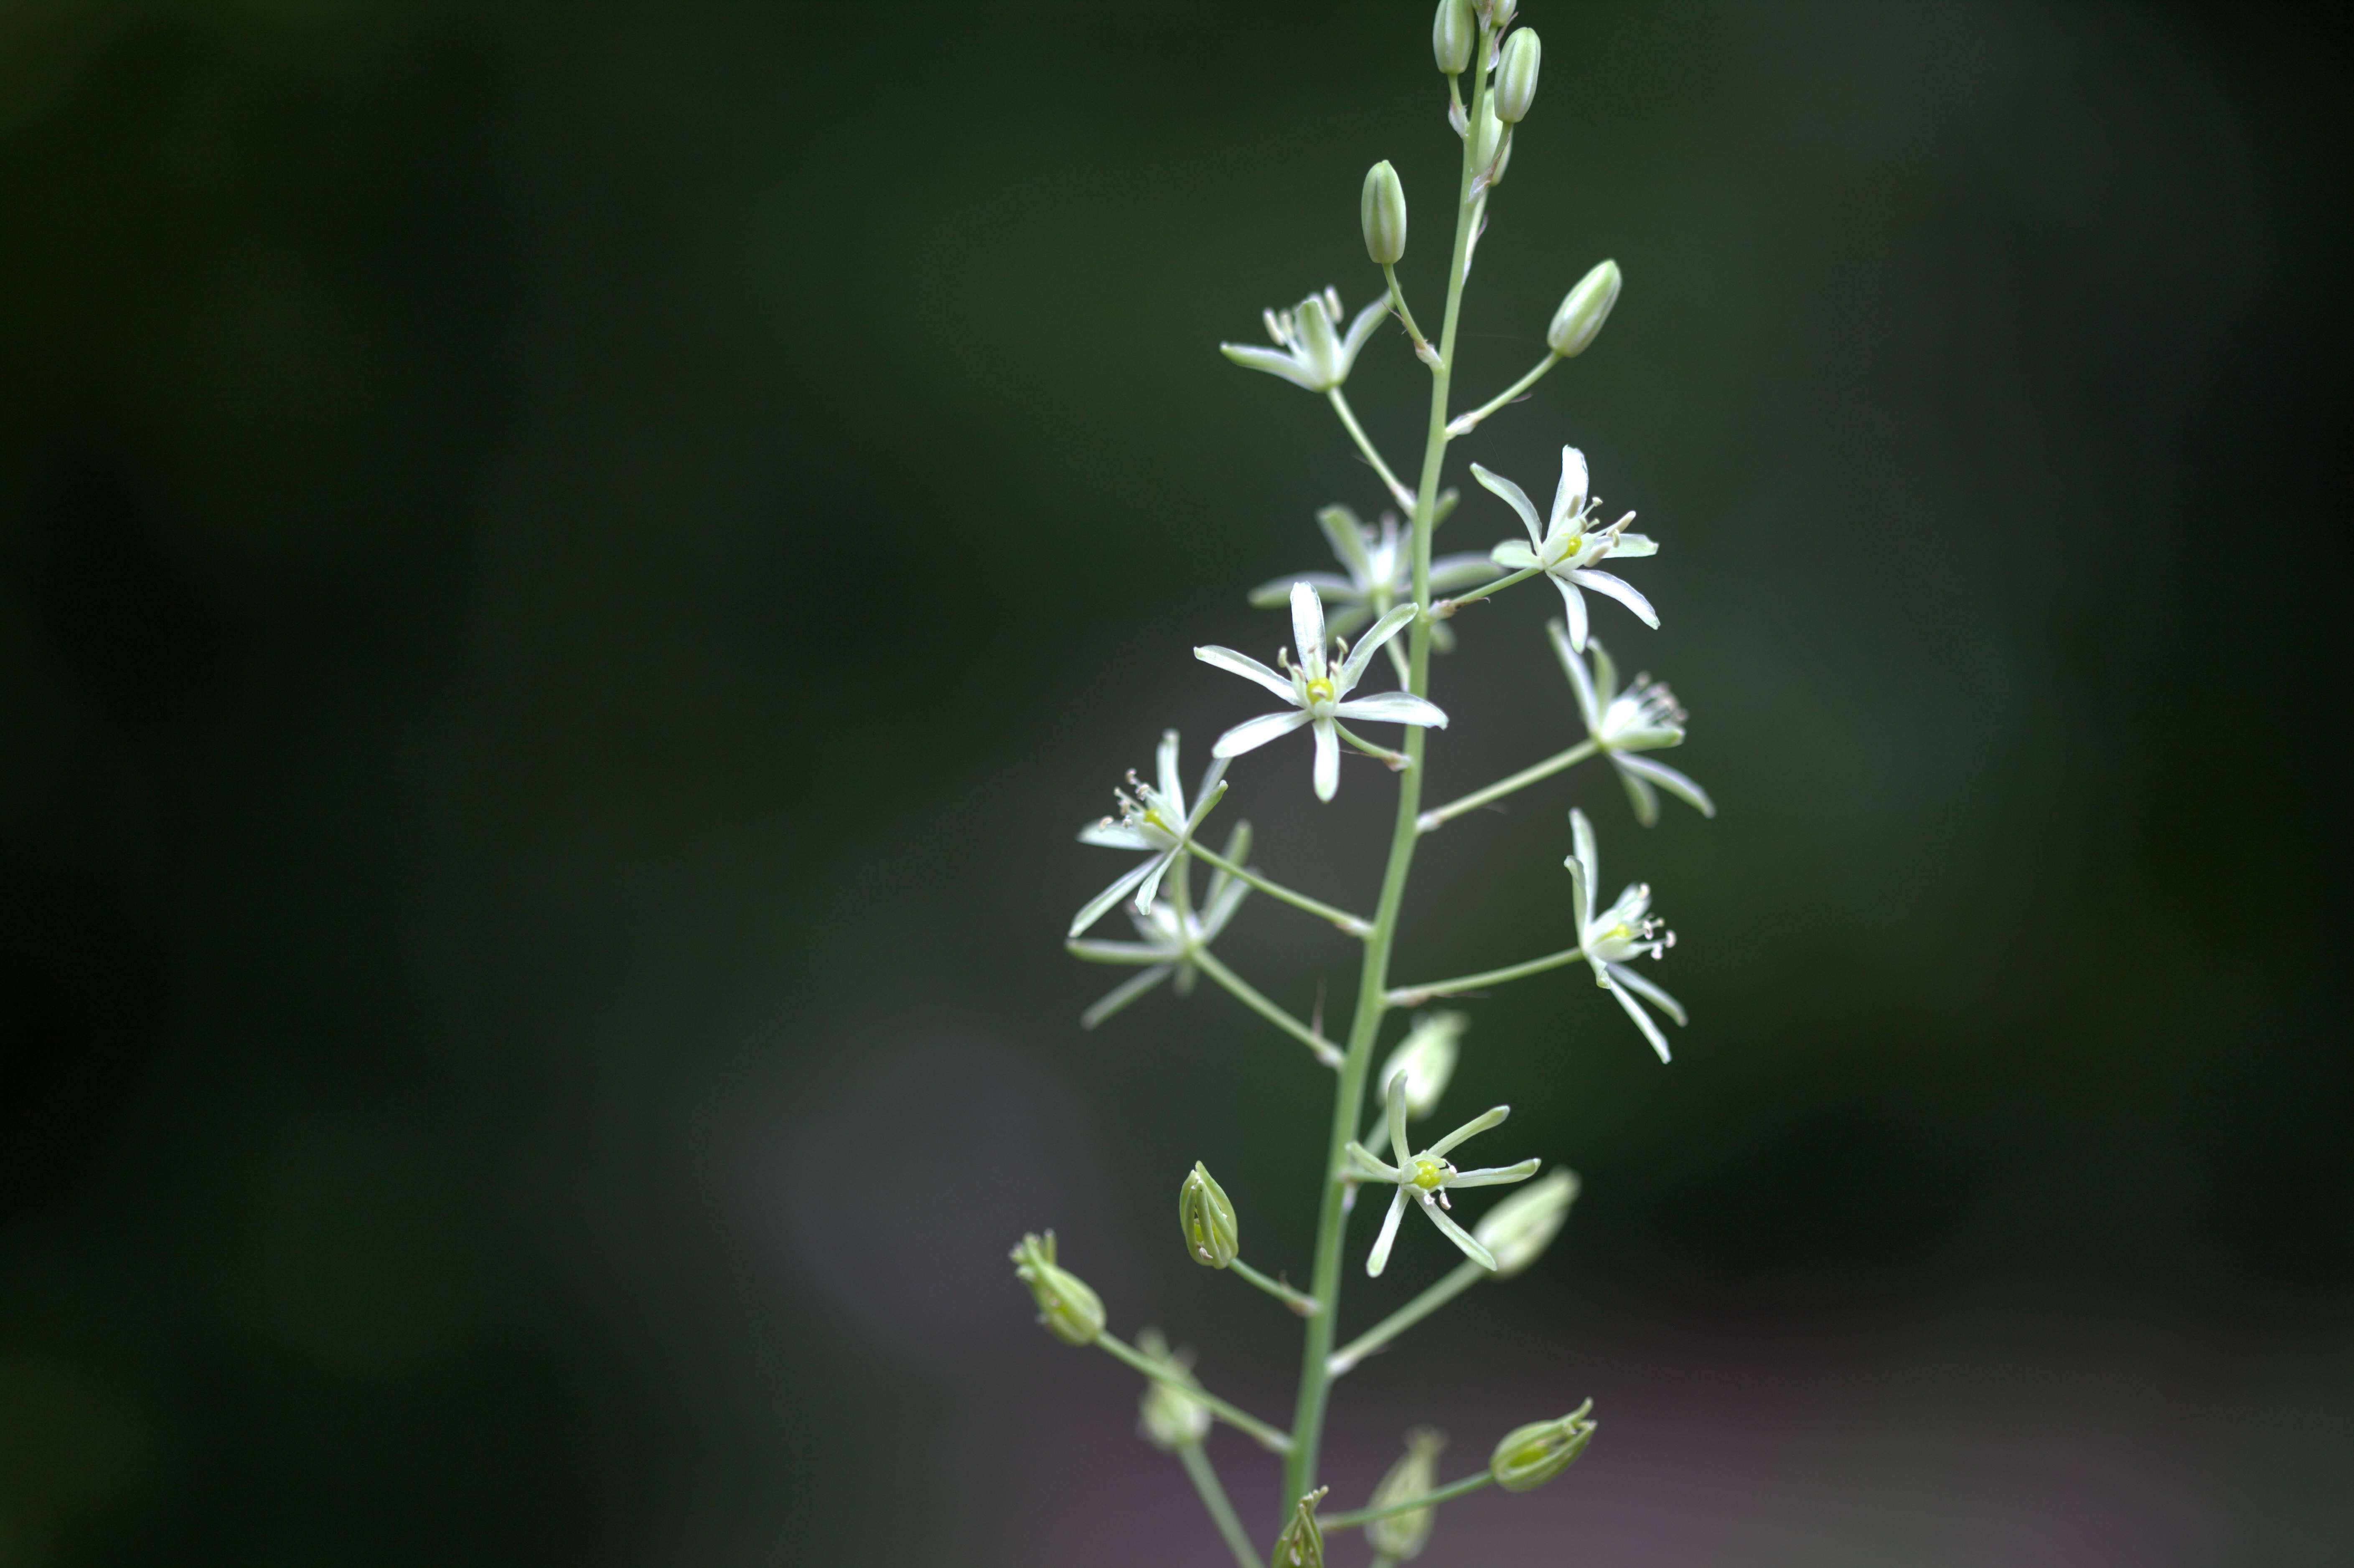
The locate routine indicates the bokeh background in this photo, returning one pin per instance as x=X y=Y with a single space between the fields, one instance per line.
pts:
x=568 y=572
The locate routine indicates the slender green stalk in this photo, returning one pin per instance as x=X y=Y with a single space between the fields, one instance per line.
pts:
x=1326 y=1051
x=1396 y=762
x=1348 y=1100
x=1213 y=1497
x=1433 y=819
x=1355 y=925
x=1403 y=496
x=1457 y=1280
x=1267 y=1436
x=1464 y=423
x=1416 y=995
x=1397 y=302
x=1300 y=1301
x=1448 y=1493
x=1447 y=606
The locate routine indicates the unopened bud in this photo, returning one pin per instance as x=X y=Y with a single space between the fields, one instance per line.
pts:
x=1427 y=1056
x=1583 y=311
x=1403 y=1535
x=1452 y=33
x=1516 y=77
x=1167 y=1417
x=1072 y=1313
x=1491 y=145
x=1531 y=1456
x=1517 y=1231
x=1381 y=212
x=1301 y=1544
x=1207 y=1220
x=1499 y=12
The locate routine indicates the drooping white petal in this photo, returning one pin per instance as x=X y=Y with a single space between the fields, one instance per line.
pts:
x=1573 y=604
x=1120 y=995
x=1395 y=707
x=1621 y=590
x=1569 y=496
x=1450 y=572
x=1308 y=629
x=1589 y=864
x=1119 y=890
x=1117 y=835
x=1367 y=1166
x=1492 y=1116
x=1667 y=778
x=1352 y=669
x=1605 y=672
x=1628 y=976
x=1379 y=1257
x=1273 y=361
x=1633 y=545
x=1248 y=668
x=1359 y=329
x=1459 y=1236
x=1096 y=952
x=1642 y=1020
x=1639 y=793
x=1165 y=767
x=1513 y=496
x=1252 y=733
x=1512 y=556
x=1150 y=888
x=1581 y=685
x=1394 y=1111
x=1496 y=1175
x=1328 y=760
x=1347 y=537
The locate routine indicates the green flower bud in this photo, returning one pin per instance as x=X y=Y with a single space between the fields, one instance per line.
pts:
x=1500 y=13
x=1427 y=1056
x=1583 y=311
x=1381 y=212
x=1206 y=1219
x=1301 y=1544
x=1518 y=1230
x=1072 y=1313
x=1531 y=1456
x=1516 y=79
x=1403 y=1535
x=1491 y=144
x=1452 y=32
x=1166 y=1417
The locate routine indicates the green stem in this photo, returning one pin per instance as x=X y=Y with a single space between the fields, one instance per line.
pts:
x=1447 y=1493
x=1447 y=606
x=1464 y=423
x=1433 y=819
x=1325 y=1051
x=1348 y=1099
x=1416 y=995
x=1299 y=1301
x=1213 y=1497
x=1397 y=302
x=1398 y=493
x=1355 y=925
x=1267 y=1436
x=1465 y=1274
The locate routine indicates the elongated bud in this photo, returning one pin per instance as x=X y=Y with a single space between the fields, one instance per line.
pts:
x=1166 y=1417
x=1207 y=1220
x=1531 y=1456
x=1072 y=1313
x=1427 y=1056
x=1583 y=311
x=1491 y=147
x=1301 y=1544
x=1516 y=77
x=1403 y=1535
x=1518 y=1230
x=1452 y=33
x=1380 y=211
x=1498 y=12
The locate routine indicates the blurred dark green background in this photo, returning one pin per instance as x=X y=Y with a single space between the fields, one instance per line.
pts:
x=566 y=574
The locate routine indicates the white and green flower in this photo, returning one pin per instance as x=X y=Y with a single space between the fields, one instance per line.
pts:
x=1380 y=575
x=1307 y=352
x=1422 y=1180
x=1319 y=691
x=1167 y=938
x=1615 y=938
x=1565 y=549
x=1643 y=717
x=1154 y=820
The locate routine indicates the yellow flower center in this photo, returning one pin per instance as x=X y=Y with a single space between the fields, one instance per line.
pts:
x=1429 y=1174
x=1320 y=689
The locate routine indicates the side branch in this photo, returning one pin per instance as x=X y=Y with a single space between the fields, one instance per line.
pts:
x=1300 y=1301
x=1267 y=1436
x=1416 y=995
x=1326 y=1051
x=1355 y=925
x=1463 y=424
x=1398 y=493
x=1213 y=1497
x=1447 y=1493
x=1447 y=606
x=1431 y=820
x=1462 y=1278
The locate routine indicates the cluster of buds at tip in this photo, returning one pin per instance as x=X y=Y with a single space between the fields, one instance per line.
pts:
x=1518 y=1230
x=1452 y=32
x=1427 y=1058
x=1381 y=212
x=1072 y=1313
x=1516 y=77
x=1167 y=1417
x=1301 y=1544
x=1206 y=1219
x=1531 y=1456
x=1583 y=311
x=1403 y=1535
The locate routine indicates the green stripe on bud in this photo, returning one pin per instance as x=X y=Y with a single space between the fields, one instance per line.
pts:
x=1381 y=212
x=1403 y=1535
x=1072 y=1313
x=1301 y=1544
x=1452 y=32
x=1531 y=1456
x=1583 y=311
x=1518 y=1230
x=1206 y=1219
x=1516 y=77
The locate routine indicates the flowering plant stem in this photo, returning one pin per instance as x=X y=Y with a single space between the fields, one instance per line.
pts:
x=1217 y=970
x=1355 y=925
x=1462 y=1278
x=1415 y=995
x=1447 y=1493
x=1213 y=1497
x=1267 y=1436
x=1403 y=496
x=1447 y=606
x=1299 y=1302
x=1440 y=816
x=1463 y=423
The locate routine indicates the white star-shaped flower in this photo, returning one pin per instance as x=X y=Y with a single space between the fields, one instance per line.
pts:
x=1380 y=575
x=1423 y=1180
x=1614 y=938
x=1318 y=691
x=1306 y=352
x=1154 y=820
x=1643 y=717
x=1565 y=550
x=1168 y=940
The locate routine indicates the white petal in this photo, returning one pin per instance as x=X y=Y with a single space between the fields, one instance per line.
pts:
x=1110 y=896
x=1496 y=1175
x=1346 y=535
x=1119 y=836
x=1625 y=975
x=1460 y=1237
x=1248 y=668
x=1328 y=585
x=1512 y=556
x=1580 y=683
x=1379 y=1257
x=1394 y=1113
x=1513 y=496
x=1352 y=669
x=1328 y=759
x=1460 y=571
x=1164 y=760
x=1308 y=628
x=1223 y=902
x=1492 y=1116
x=1605 y=674
x=1275 y=362
x=1099 y=952
x=1360 y=330
x=1624 y=592
x=1580 y=834
x=1371 y=1169
x=1393 y=707
x=1120 y=996
x=1667 y=778
x=1252 y=733
x=1642 y=1020
x=1569 y=496
x=1150 y=888
x=1574 y=603
x=1639 y=793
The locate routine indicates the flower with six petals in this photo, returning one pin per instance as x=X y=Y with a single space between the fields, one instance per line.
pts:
x=1617 y=936
x=1643 y=717
x=1423 y=1180
x=1168 y=938
x=1380 y=568
x=1565 y=550
x=1154 y=820
x=1307 y=352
